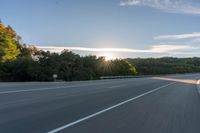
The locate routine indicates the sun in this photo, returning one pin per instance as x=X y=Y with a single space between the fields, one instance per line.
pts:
x=108 y=56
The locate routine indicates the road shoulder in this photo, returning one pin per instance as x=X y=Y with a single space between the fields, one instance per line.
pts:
x=198 y=86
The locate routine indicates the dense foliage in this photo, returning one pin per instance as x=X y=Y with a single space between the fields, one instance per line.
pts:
x=166 y=65
x=26 y=63
x=8 y=44
x=19 y=62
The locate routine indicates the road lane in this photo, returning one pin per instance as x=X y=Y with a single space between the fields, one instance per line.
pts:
x=175 y=109
x=42 y=111
x=107 y=109
x=18 y=86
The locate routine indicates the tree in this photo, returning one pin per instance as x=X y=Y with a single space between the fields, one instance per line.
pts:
x=166 y=65
x=8 y=49
x=8 y=44
x=20 y=62
x=123 y=67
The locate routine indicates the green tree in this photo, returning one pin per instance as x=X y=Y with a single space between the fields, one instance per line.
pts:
x=8 y=49
x=20 y=62
x=8 y=44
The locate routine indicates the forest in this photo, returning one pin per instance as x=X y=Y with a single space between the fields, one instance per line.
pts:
x=22 y=62
x=165 y=65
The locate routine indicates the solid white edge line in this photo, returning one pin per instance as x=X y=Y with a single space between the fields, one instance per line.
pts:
x=53 y=88
x=107 y=109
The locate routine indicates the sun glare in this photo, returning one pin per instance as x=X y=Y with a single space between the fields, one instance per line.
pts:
x=108 y=56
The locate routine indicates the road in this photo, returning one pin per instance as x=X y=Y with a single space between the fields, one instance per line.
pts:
x=166 y=104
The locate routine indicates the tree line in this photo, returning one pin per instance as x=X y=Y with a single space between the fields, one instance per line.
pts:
x=165 y=65
x=21 y=62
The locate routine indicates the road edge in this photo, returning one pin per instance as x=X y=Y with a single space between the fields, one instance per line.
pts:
x=198 y=86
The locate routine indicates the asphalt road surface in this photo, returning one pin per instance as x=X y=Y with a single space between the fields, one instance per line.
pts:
x=166 y=104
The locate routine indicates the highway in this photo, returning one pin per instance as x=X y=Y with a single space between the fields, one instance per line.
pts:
x=165 y=104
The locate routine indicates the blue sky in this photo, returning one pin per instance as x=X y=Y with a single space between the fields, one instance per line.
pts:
x=121 y=28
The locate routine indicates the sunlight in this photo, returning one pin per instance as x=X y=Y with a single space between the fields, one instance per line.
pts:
x=187 y=81
x=108 y=56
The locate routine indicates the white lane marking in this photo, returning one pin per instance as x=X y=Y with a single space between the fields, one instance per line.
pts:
x=60 y=87
x=117 y=86
x=107 y=109
x=52 y=88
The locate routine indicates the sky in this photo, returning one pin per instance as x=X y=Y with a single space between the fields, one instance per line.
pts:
x=115 y=28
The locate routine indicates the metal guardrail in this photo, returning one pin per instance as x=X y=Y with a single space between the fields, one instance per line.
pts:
x=124 y=77
x=140 y=76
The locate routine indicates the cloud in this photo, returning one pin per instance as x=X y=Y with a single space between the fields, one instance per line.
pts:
x=58 y=49
x=169 y=48
x=173 y=6
x=153 y=49
x=196 y=40
x=178 y=37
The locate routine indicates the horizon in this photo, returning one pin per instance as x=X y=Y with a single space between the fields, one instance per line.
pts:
x=103 y=52
x=115 y=28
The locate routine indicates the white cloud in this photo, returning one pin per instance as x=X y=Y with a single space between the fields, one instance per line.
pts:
x=169 y=48
x=178 y=37
x=153 y=49
x=174 y=6
x=129 y=2
x=58 y=49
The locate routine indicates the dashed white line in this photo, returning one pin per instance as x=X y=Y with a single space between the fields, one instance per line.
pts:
x=107 y=109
